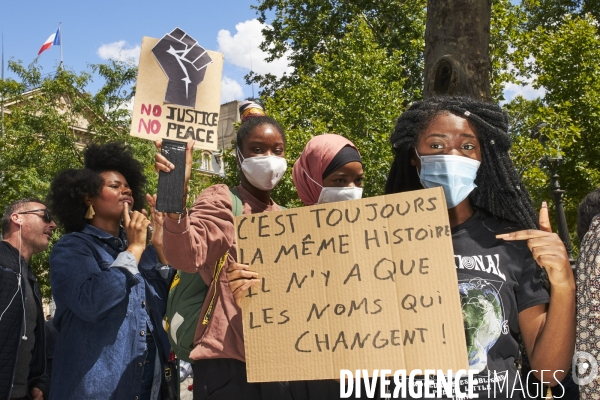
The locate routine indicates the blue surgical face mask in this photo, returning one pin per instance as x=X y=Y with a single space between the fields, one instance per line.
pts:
x=455 y=174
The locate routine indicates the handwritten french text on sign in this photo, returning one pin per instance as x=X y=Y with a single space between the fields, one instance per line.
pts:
x=365 y=284
x=178 y=91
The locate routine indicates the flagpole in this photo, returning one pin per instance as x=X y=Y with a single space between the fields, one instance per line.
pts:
x=2 y=94
x=61 y=40
x=2 y=105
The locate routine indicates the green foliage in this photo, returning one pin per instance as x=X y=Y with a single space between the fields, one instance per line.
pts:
x=42 y=117
x=358 y=64
x=564 y=60
x=505 y=25
x=548 y=13
x=304 y=29
x=356 y=90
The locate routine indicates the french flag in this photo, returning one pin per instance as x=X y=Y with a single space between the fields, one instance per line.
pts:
x=53 y=39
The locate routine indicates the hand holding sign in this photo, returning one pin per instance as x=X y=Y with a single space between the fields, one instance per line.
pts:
x=184 y=62
x=547 y=249
x=241 y=278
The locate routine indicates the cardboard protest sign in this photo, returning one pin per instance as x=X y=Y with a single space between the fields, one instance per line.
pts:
x=178 y=91
x=364 y=284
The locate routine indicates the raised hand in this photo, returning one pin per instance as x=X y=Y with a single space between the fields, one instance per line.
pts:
x=184 y=62
x=241 y=278
x=548 y=250
x=136 y=229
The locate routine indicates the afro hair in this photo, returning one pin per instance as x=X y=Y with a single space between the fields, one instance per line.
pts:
x=70 y=187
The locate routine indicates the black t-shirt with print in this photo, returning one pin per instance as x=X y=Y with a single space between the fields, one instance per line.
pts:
x=497 y=280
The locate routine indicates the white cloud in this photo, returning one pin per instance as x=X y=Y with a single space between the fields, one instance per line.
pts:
x=128 y=105
x=120 y=51
x=242 y=49
x=512 y=90
x=230 y=90
x=525 y=88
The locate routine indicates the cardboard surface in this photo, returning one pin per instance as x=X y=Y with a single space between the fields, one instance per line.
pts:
x=155 y=112
x=365 y=284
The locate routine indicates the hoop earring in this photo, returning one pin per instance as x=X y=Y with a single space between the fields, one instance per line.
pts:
x=90 y=212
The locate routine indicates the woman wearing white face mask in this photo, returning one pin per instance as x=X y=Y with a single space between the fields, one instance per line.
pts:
x=328 y=170
x=462 y=145
x=203 y=240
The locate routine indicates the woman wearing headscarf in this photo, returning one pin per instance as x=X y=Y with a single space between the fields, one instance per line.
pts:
x=328 y=170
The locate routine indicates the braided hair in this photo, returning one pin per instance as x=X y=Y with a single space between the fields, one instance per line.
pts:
x=500 y=190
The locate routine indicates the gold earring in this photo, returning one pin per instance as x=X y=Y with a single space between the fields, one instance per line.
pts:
x=90 y=212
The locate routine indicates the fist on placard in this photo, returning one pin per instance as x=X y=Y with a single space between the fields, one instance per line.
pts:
x=184 y=62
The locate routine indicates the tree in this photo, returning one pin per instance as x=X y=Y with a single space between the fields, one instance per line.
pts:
x=304 y=29
x=355 y=90
x=351 y=77
x=552 y=44
x=457 y=40
x=40 y=141
x=563 y=59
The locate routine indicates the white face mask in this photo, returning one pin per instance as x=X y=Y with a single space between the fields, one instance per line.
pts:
x=333 y=194
x=263 y=172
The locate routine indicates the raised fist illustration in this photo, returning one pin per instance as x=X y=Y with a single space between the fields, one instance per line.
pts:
x=184 y=62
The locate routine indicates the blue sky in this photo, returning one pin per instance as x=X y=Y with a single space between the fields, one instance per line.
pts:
x=94 y=31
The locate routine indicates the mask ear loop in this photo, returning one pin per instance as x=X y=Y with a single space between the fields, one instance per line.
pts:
x=419 y=157
x=321 y=186
x=237 y=149
x=418 y=172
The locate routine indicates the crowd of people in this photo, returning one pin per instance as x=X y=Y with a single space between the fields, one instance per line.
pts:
x=114 y=270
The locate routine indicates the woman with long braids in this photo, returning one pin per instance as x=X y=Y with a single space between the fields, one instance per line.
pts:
x=462 y=145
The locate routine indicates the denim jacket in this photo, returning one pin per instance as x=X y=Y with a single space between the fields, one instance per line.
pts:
x=105 y=304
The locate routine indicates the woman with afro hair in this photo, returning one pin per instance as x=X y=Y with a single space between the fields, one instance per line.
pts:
x=110 y=288
x=462 y=145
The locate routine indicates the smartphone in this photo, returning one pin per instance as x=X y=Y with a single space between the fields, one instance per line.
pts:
x=170 y=184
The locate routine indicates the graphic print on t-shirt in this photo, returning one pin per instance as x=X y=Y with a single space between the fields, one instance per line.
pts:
x=483 y=316
x=497 y=280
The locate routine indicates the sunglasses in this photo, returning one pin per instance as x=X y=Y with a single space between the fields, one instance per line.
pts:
x=46 y=216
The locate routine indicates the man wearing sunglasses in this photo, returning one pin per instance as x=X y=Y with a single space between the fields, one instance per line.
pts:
x=26 y=230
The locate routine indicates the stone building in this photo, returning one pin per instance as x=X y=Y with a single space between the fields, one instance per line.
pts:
x=211 y=163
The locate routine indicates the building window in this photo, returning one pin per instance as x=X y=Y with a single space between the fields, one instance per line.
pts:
x=205 y=164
